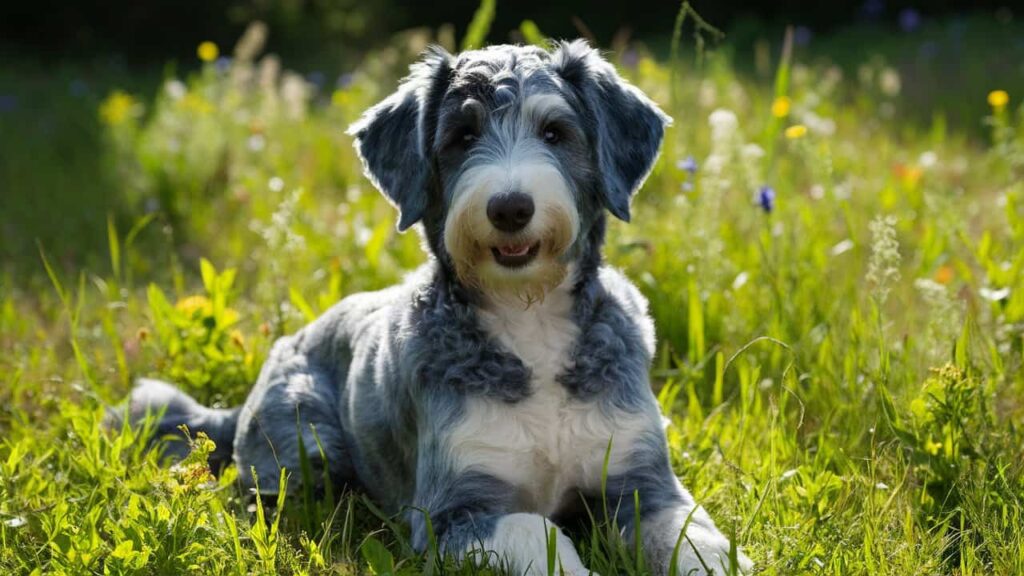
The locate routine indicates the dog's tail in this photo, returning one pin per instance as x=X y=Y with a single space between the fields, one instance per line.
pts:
x=175 y=408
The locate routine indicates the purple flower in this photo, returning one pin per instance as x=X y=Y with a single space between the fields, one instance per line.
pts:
x=687 y=186
x=802 y=35
x=344 y=81
x=872 y=9
x=630 y=58
x=223 y=64
x=766 y=198
x=316 y=78
x=689 y=164
x=8 y=102
x=910 y=19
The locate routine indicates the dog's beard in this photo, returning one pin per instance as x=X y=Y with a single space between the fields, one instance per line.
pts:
x=469 y=239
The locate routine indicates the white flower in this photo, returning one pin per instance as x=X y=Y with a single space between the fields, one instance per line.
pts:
x=740 y=280
x=883 y=268
x=889 y=82
x=276 y=184
x=257 y=142
x=842 y=247
x=995 y=295
x=175 y=89
x=723 y=124
x=928 y=159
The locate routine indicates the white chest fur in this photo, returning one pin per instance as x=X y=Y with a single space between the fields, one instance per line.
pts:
x=549 y=443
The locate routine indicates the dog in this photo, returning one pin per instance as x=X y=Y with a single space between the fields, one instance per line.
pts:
x=506 y=380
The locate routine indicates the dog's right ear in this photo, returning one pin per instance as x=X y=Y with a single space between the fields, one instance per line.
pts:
x=393 y=137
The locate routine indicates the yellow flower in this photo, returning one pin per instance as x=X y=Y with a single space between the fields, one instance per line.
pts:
x=193 y=304
x=932 y=447
x=340 y=98
x=796 y=131
x=237 y=339
x=118 y=107
x=998 y=99
x=780 y=107
x=208 y=51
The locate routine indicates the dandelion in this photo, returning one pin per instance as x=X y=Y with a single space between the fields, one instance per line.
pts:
x=118 y=107
x=998 y=99
x=796 y=131
x=689 y=164
x=766 y=198
x=780 y=107
x=883 y=268
x=207 y=51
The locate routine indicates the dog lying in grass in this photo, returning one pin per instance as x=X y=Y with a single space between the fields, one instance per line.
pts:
x=503 y=387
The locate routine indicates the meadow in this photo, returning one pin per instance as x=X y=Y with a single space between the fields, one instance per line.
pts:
x=832 y=243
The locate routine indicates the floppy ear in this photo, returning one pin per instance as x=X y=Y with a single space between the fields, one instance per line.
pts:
x=393 y=139
x=627 y=125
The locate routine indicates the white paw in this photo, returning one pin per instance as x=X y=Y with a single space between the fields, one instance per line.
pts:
x=706 y=552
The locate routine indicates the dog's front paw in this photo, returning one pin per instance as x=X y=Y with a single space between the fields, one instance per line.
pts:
x=706 y=552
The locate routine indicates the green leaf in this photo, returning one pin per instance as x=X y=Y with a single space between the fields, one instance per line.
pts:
x=480 y=26
x=377 y=556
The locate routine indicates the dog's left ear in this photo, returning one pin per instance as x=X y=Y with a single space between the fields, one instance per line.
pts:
x=393 y=139
x=627 y=125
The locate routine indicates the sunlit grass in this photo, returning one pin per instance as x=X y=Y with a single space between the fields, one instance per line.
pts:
x=841 y=358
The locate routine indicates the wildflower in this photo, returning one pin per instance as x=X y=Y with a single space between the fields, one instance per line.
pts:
x=802 y=35
x=193 y=304
x=207 y=51
x=796 y=131
x=998 y=99
x=909 y=176
x=766 y=198
x=883 y=269
x=889 y=82
x=928 y=159
x=910 y=19
x=932 y=447
x=723 y=124
x=276 y=184
x=944 y=275
x=842 y=247
x=237 y=339
x=780 y=107
x=222 y=64
x=689 y=164
x=118 y=107
x=995 y=295
x=687 y=186
x=175 y=89
x=8 y=102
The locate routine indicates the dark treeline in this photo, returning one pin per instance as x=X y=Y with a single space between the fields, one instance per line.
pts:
x=147 y=29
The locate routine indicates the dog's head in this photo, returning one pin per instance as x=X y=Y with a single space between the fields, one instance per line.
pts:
x=509 y=155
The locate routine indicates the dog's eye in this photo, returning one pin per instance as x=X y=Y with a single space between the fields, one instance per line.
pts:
x=469 y=138
x=552 y=135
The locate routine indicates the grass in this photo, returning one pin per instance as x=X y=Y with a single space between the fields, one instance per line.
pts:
x=843 y=371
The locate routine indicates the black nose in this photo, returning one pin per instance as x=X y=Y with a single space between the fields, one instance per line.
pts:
x=510 y=212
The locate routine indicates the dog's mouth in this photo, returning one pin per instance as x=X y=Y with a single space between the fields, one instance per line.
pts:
x=515 y=255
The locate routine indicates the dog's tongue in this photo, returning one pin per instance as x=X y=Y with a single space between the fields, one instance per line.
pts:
x=513 y=250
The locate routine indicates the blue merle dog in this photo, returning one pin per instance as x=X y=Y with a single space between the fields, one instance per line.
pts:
x=488 y=389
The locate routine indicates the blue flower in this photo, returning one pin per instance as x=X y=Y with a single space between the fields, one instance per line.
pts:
x=766 y=198
x=689 y=164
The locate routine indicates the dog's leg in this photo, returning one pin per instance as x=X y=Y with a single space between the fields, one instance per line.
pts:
x=666 y=510
x=471 y=518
